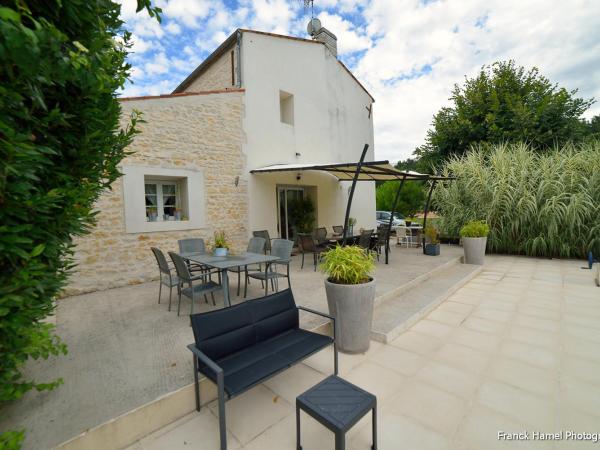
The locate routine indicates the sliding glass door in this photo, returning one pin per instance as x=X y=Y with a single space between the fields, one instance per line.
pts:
x=285 y=221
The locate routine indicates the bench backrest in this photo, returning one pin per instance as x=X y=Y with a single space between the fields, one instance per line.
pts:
x=226 y=331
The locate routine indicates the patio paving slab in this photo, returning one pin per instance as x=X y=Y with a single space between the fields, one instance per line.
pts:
x=445 y=386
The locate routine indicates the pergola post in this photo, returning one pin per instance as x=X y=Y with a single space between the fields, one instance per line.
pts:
x=426 y=211
x=387 y=242
x=354 y=180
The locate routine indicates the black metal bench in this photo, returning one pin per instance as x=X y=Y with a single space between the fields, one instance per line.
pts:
x=242 y=346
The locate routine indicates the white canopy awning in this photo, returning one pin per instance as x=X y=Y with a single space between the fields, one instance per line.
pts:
x=369 y=171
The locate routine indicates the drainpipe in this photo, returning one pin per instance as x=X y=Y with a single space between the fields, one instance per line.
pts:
x=426 y=211
x=238 y=46
x=354 y=180
x=387 y=242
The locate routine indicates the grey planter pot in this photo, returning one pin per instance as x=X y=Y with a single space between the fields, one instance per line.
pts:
x=474 y=249
x=221 y=251
x=432 y=249
x=352 y=307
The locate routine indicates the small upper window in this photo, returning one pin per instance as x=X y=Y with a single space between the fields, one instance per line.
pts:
x=286 y=107
x=164 y=199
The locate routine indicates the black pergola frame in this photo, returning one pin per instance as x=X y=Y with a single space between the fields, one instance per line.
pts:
x=367 y=171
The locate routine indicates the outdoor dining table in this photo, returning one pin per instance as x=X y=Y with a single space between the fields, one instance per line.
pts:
x=223 y=263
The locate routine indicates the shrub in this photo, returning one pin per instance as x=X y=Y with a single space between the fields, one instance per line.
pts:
x=535 y=204
x=348 y=265
x=431 y=233
x=475 y=229
x=62 y=64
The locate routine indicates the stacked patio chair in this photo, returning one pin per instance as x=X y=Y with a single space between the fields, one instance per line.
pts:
x=265 y=235
x=255 y=245
x=166 y=276
x=281 y=248
x=308 y=244
x=197 y=285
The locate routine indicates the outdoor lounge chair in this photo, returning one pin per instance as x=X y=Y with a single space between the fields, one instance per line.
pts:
x=242 y=346
x=196 y=285
x=166 y=276
x=281 y=248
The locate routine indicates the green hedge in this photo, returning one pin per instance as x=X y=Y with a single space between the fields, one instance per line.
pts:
x=61 y=65
x=535 y=204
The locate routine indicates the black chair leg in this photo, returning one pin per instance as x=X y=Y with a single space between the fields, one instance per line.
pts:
x=222 y=425
x=159 y=290
x=301 y=266
x=239 y=281
x=196 y=385
x=212 y=296
x=170 y=294
x=246 y=282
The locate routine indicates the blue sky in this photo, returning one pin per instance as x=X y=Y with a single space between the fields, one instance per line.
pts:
x=408 y=53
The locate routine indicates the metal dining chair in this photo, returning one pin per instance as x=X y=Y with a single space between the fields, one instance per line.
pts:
x=308 y=244
x=364 y=240
x=255 y=245
x=196 y=285
x=265 y=235
x=338 y=230
x=166 y=277
x=281 y=248
x=321 y=235
x=193 y=245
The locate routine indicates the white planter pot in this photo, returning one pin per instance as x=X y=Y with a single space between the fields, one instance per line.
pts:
x=474 y=249
x=352 y=307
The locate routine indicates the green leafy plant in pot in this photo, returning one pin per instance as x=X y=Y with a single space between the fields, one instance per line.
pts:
x=474 y=239
x=350 y=290
x=221 y=245
x=432 y=241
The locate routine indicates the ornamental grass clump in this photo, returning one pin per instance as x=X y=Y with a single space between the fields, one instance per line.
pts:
x=221 y=240
x=475 y=229
x=537 y=204
x=348 y=265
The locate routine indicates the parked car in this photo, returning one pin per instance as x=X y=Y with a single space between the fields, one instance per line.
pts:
x=383 y=218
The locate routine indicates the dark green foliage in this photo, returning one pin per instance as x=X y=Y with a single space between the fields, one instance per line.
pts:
x=505 y=103
x=302 y=214
x=60 y=144
x=412 y=197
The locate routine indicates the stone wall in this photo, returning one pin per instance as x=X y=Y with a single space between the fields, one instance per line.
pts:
x=218 y=74
x=201 y=132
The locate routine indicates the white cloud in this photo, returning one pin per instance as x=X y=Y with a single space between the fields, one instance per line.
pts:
x=173 y=27
x=187 y=11
x=348 y=39
x=159 y=65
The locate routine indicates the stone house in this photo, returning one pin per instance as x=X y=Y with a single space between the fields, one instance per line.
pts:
x=259 y=99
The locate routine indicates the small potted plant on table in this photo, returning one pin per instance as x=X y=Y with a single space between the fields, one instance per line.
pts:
x=474 y=239
x=221 y=245
x=350 y=290
x=351 y=223
x=432 y=241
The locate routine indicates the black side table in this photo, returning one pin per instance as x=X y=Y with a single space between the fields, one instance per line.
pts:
x=338 y=405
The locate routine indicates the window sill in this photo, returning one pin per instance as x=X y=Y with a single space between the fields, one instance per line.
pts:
x=167 y=225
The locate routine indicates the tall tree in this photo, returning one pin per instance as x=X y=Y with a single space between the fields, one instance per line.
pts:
x=505 y=103
x=61 y=66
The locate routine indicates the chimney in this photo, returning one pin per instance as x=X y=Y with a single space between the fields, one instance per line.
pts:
x=323 y=35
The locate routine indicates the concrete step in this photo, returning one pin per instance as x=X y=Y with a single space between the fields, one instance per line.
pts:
x=394 y=315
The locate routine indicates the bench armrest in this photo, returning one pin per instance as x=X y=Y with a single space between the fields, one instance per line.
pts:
x=319 y=313
x=206 y=360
